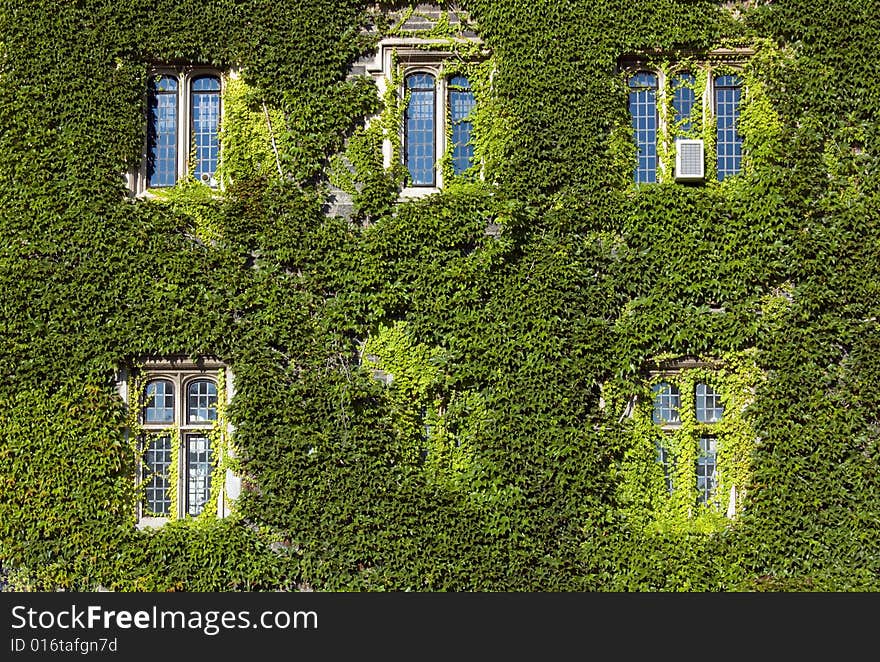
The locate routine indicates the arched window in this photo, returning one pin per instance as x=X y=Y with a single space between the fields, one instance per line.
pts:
x=708 y=404
x=183 y=127
x=205 y=112
x=159 y=401
x=667 y=402
x=683 y=100
x=643 y=109
x=178 y=409
x=162 y=138
x=461 y=103
x=201 y=401
x=419 y=129
x=728 y=93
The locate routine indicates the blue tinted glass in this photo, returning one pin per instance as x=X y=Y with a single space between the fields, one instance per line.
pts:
x=419 y=129
x=205 y=126
x=683 y=99
x=461 y=103
x=729 y=80
x=728 y=93
x=201 y=403
x=206 y=84
x=643 y=108
x=159 y=402
x=162 y=132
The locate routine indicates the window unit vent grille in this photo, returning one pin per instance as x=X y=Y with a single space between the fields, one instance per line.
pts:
x=690 y=160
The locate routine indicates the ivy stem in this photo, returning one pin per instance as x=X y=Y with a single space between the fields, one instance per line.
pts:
x=272 y=138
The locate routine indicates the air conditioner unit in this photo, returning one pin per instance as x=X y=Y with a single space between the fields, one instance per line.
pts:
x=690 y=159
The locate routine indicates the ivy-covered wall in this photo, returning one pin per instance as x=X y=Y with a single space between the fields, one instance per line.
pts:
x=449 y=393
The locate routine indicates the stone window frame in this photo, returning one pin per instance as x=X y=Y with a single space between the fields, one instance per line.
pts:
x=181 y=372
x=715 y=63
x=666 y=372
x=137 y=178
x=413 y=55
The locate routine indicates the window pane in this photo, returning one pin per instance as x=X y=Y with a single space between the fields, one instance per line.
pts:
x=683 y=100
x=643 y=108
x=667 y=401
x=156 y=475
x=665 y=460
x=461 y=104
x=706 y=479
x=419 y=129
x=162 y=132
x=728 y=92
x=205 y=126
x=198 y=472
x=201 y=402
x=159 y=402
x=708 y=402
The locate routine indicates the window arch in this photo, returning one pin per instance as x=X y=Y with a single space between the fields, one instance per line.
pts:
x=419 y=138
x=159 y=401
x=201 y=401
x=667 y=403
x=643 y=109
x=461 y=104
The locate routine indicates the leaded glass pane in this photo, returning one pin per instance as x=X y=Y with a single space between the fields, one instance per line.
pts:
x=461 y=103
x=643 y=108
x=198 y=472
x=201 y=401
x=708 y=403
x=683 y=100
x=728 y=94
x=159 y=402
x=157 y=475
x=162 y=130
x=667 y=402
x=205 y=110
x=419 y=129
x=706 y=462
